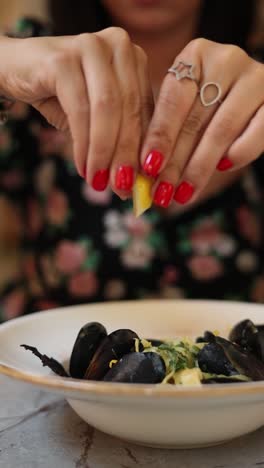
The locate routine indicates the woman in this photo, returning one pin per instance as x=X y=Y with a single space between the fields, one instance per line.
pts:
x=81 y=243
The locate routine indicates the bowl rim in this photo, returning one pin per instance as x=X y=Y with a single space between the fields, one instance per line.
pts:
x=110 y=389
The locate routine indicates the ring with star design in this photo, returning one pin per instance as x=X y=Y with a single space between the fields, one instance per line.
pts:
x=183 y=70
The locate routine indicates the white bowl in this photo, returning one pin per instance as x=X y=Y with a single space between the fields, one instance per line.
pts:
x=155 y=415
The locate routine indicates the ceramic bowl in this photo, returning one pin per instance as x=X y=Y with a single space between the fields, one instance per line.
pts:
x=154 y=415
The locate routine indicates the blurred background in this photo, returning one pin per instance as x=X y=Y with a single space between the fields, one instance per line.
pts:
x=10 y=11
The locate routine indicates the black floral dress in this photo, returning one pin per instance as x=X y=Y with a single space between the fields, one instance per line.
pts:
x=84 y=246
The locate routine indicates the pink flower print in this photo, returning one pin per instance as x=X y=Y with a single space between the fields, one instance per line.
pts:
x=45 y=177
x=137 y=227
x=114 y=289
x=69 y=256
x=45 y=304
x=170 y=275
x=13 y=179
x=205 y=268
x=205 y=236
x=257 y=294
x=138 y=254
x=94 y=197
x=14 y=303
x=57 y=208
x=249 y=225
x=35 y=218
x=84 y=284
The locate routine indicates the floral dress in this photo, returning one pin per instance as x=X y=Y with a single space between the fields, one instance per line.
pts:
x=84 y=246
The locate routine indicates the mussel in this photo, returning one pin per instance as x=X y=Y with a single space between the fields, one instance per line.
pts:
x=113 y=347
x=85 y=346
x=223 y=357
x=249 y=337
x=138 y=368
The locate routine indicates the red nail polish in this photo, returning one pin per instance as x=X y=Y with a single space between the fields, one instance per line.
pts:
x=163 y=194
x=100 y=180
x=224 y=164
x=124 y=178
x=153 y=163
x=184 y=192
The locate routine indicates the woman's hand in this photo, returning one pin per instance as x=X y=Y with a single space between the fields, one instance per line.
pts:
x=94 y=85
x=187 y=141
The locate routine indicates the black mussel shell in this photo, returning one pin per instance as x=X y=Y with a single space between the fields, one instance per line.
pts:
x=207 y=338
x=213 y=360
x=250 y=337
x=226 y=358
x=113 y=347
x=243 y=334
x=86 y=344
x=148 y=368
x=245 y=362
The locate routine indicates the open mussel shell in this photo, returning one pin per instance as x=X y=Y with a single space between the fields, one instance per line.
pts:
x=213 y=360
x=85 y=346
x=250 y=337
x=148 y=368
x=220 y=356
x=113 y=347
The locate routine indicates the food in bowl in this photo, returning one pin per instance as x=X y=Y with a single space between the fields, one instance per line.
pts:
x=122 y=356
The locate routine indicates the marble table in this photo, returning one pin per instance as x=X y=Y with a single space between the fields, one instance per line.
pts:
x=39 y=430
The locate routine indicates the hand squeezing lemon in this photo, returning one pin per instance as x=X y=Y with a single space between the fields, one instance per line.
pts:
x=142 y=199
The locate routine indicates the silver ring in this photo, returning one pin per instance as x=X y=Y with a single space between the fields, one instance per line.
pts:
x=183 y=70
x=213 y=101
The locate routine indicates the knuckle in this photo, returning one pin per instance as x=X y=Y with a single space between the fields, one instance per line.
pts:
x=107 y=99
x=196 y=45
x=167 y=101
x=85 y=39
x=193 y=125
x=100 y=149
x=120 y=34
x=132 y=104
x=225 y=129
x=160 y=134
x=59 y=59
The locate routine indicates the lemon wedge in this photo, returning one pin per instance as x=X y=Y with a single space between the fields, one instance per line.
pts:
x=142 y=199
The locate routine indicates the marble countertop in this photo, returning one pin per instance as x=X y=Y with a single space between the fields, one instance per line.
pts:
x=39 y=430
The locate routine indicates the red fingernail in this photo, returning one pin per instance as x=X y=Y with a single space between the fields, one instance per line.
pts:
x=184 y=192
x=83 y=174
x=224 y=164
x=100 y=180
x=163 y=194
x=153 y=163
x=124 y=178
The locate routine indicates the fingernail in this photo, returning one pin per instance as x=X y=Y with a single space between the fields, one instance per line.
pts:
x=224 y=164
x=163 y=194
x=100 y=180
x=83 y=174
x=153 y=163
x=184 y=192
x=124 y=178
